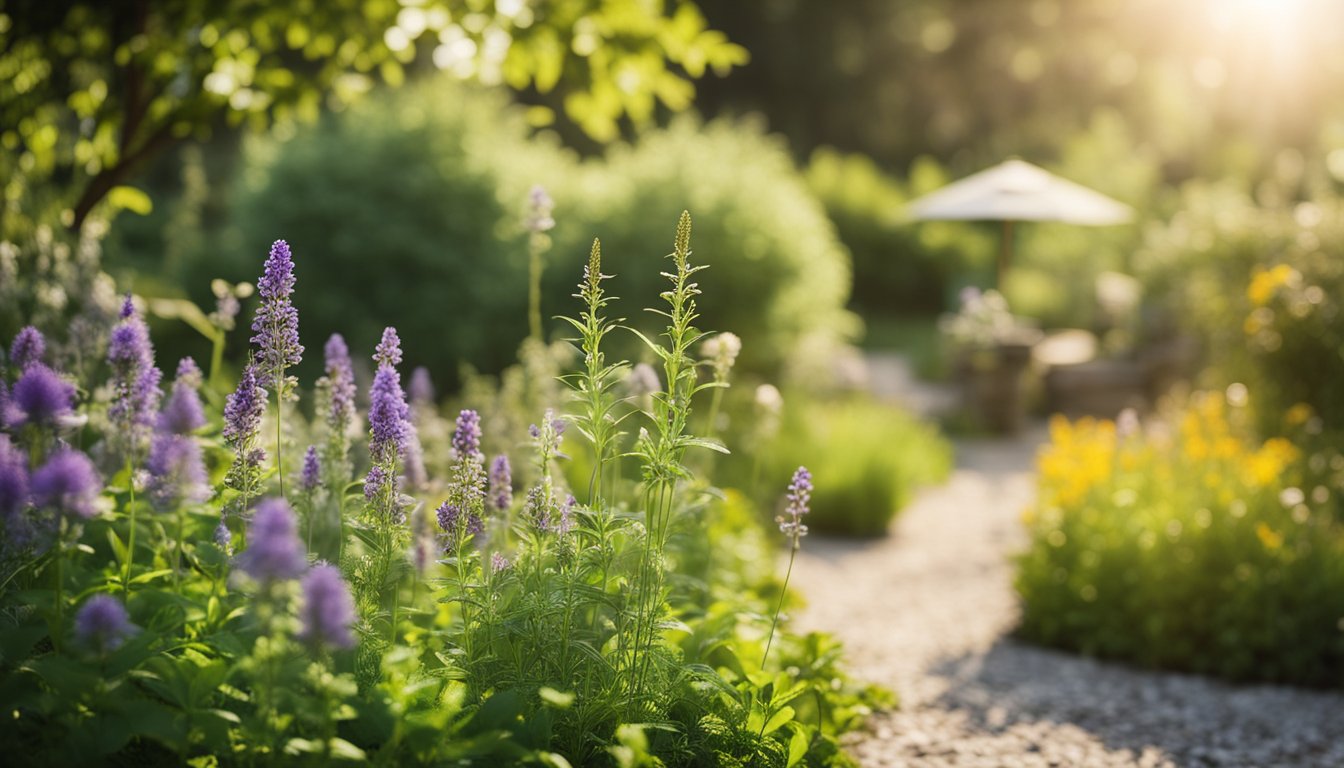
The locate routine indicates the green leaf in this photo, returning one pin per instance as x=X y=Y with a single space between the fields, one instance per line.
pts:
x=130 y=199
x=798 y=744
x=777 y=720
x=555 y=698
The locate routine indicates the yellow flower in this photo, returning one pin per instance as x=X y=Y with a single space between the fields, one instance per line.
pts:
x=1265 y=282
x=1268 y=538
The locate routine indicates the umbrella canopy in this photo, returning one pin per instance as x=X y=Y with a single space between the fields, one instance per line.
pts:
x=1019 y=191
x=1013 y=191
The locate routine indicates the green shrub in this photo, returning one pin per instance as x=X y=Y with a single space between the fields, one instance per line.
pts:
x=781 y=277
x=1197 y=548
x=1260 y=287
x=407 y=207
x=868 y=459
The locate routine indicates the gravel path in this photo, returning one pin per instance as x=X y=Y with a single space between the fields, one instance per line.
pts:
x=928 y=612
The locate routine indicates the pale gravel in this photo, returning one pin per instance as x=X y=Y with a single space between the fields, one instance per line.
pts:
x=929 y=611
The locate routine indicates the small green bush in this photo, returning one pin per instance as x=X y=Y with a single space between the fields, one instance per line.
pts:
x=1196 y=548
x=868 y=459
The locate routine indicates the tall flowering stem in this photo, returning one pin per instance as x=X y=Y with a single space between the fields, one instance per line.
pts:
x=336 y=398
x=389 y=429
x=243 y=410
x=593 y=387
x=661 y=450
x=538 y=222
x=136 y=394
x=276 y=334
x=791 y=525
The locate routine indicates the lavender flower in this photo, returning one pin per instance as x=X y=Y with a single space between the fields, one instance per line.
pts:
x=566 y=522
x=102 y=624
x=467 y=436
x=243 y=410
x=13 y=483
x=311 y=475
x=501 y=483
x=176 y=472
x=388 y=430
x=40 y=397
x=182 y=414
x=457 y=525
x=341 y=378
x=135 y=380
x=539 y=208
x=328 y=610
x=276 y=324
x=224 y=537
x=388 y=351
x=799 y=497
x=67 y=484
x=374 y=482
x=538 y=508
x=274 y=551
x=499 y=563
x=27 y=348
x=421 y=388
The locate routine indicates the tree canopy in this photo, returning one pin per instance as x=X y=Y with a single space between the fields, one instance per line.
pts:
x=89 y=90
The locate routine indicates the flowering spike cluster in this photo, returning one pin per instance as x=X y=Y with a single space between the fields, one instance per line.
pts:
x=102 y=624
x=799 y=497
x=499 y=563
x=243 y=409
x=41 y=398
x=328 y=609
x=13 y=491
x=539 y=508
x=336 y=396
x=311 y=476
x=67 y=484
x=501 y=484
x=135 y=379
x=224 y=537
x=388 y=351
x=721 y=351
x=176 y=470
x=539 y=208
x=274 y=551
x=275 y=327
x=421 y=388
x=457 y=525
x=27 y=348
x=566 y=522
x=467 y=436
x=182 y=414
x=546 y=438
x=388 y=424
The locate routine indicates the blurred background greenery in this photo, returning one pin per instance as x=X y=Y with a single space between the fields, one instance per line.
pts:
x=393 y=143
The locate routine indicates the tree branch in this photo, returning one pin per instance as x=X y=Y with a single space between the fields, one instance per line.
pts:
x=108 y=178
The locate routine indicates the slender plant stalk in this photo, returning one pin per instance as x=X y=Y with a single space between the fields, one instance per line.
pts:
x=130 y=538
x=784 y=591
x=279 y=416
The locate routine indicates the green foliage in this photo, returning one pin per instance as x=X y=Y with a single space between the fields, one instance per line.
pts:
x=421 y=194
x=1197 y=548
x=1259 y=287
x=624 y=629
x=868 y=459
x=781 y=278
x=137 y=79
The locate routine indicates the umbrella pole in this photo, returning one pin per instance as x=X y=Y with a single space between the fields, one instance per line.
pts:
x=1005 y=254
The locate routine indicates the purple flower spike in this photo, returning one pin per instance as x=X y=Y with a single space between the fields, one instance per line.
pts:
x=244 y=408
x=13 y=481
x=501 y=483
x=341 y=373
x=276 y=325
x=537 y=508
x=67 y=484
x=799 y=497
x=456 y=524
x=388 y=351
x=40 y=397
x=421 y=388
x=135 y=380
x=539 y=208
x=102 y=624
x=499 y=563
x=183 y=414
x=467 y=437
x=27 y=348
x=328 y=610
x=374 y=481
x=224 y=537
x=274 y=551
x=176 y=472
x=387 y=415
x=566 y=522
x=312 y=470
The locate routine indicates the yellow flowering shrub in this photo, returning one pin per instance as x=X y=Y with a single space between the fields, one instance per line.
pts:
x=1187 y=544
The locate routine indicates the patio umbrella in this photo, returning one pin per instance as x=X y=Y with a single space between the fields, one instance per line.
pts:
x=1015 y=191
